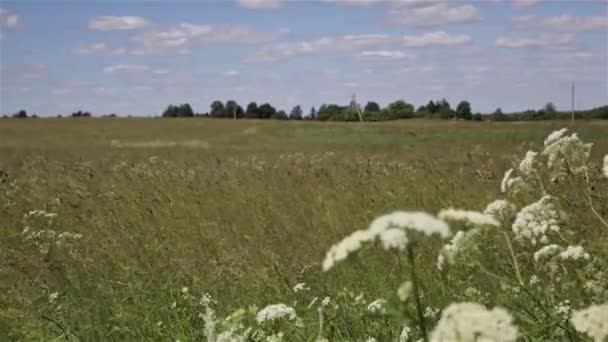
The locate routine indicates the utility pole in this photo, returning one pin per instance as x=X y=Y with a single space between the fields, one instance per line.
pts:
x=572 y=113
x=355 y=107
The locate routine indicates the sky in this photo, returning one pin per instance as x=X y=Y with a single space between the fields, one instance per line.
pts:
x=135 y=57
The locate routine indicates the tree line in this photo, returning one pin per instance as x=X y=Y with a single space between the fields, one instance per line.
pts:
x=372 y=111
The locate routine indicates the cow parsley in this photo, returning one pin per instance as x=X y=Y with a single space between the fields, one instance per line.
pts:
x=470 y=322
x=546 y=251
x=526 y=166
x=554 y=136
x=592 y=321
x=505 y=180
x=567 y=154
x=536 y=220
x=605 y=170
x=499 y=209
x=574 y=253
x=472 y=217
x=276 y=312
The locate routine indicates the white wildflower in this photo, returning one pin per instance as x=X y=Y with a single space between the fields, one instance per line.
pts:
x=393 y=238
x=430 y=312
x=440 y=262
x=472 y=292
x=605 y=170
x=469 y=322
x=325 y=301
x=472 y=217
x=405 y=290
x=568 y=154
x=377 y=306
x=405 y=333
x=371 y=339
x=381 y=228
x=276 y=312
x=526 y=166
x=209 y=320
x=53 y=297
x=592 y=321
x=184 y=290
x=300 y=287
x=499 y=209
x=275 y=338
x=536 y=220
x=554 y=136
x=534 y=280
x=360 y=299
x=505 y=180
x=546 y=251
x=563 y=309
x=574 y=253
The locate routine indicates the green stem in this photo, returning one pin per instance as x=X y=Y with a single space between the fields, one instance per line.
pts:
x=412 y=260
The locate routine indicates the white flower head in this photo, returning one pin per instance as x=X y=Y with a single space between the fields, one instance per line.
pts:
x=470 y=322
x=554 y=136
x=394 y=238
x=405 y=290
x=546 y=251
x=276 y=312
x=526 y=166
x=505 y=180
x=574 y=253
x=605 y=169
x=592 y=321
x=536 y=220
x=499 y=209
x=325 y=301
x=53 y=297
x=473 y=217
x=377 y=306
x=300 y=287
x=405 y=334
x=567 y=154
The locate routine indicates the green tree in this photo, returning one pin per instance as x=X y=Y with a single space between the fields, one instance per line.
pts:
x=252 y=110
x=217 y=109
x=372 y=107
x=463 y=111
x=280 y=115
x=22 y=114
x=444 y=110
x=313 y=113
x=296 y=113
x=266 y=111
x=185 y=110
x=233 y=109
x=400 y=110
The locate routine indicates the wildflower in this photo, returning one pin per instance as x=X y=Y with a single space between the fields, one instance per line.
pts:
x=567 y=154
x=53 y=297
x=534 y=280
x=209 y=320
x=377 y=306
x=546 y=251
x=325 y=301
x=405 y=290
x=275 y=338
x=473 y=217
x=300 y=287
x=574 y=253
x=360 y=299
x=498 y=209
x=275 y=312
x=440 y=262
x=535 y=220
x=563 y=309
x=466 y=322
x=554 y=136
x=184 y=290
x=526 y=166
x=430 y=313
x=505 y=180
x=605 y=170
x=405 y=333
x=371 y=339
x=382 y=227
x=592 y=321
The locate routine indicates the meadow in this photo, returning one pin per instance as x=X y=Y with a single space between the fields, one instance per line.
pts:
x=185 y=229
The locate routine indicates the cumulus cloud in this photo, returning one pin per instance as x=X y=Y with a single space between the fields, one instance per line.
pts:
x=259 y=4
x=384 y=55
x=535 y=42
x=116 y=23
x=345 y=43
x=429 y=13
x=231 y=73
x=439 y=38
x=564 y=22
x=520 y=3
x=130 y=69
x=8 y=19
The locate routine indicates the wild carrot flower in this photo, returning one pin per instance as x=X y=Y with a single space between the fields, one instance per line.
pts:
x=567 y=154
x=554 y=136
x=405 y=334
x=546 y=251
x=393 y=238
x=300 y=287
x=592 y=321
x=469 y=322
x=53 y=297
x=526 y=166
x=377 y=306
x=605 y=170
x=574 y=253
x=499 y=209
x=405 y=290
x=472 y=217
x=536 y=220
x=276 y=312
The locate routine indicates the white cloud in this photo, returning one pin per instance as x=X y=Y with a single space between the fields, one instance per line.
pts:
x=7 y=19
x=119 y=68
x=525 y=3
x=61 y=91
x=259 y=4
x=100 y=48
x=115 y=23
x=231 y=73
x=541 y=41
x=439 y=38
x=565 y=22
x=345 y=43
x=384 y=55
x=428 y=13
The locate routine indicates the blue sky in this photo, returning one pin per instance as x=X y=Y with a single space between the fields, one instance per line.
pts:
x=136 y=57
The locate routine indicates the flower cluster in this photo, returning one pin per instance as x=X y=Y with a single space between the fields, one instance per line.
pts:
x=536 y=220
x=592 y=321
x=566 y=153
x=276 y=312
x=45 y=239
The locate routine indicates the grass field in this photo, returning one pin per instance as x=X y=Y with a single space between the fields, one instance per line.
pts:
x=170 y=210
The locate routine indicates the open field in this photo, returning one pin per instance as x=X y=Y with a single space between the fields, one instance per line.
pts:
x=245 y=210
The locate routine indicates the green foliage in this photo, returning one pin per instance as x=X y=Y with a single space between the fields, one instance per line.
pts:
x=372 y=107
x=183 y=110
x=463 y=111
x=296 y=113
x=266 y=111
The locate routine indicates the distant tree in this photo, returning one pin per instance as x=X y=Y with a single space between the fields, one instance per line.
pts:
x=171 y=112
x=296 y=113
x=313 y=113
x=233 y=110
x=498 y=111
x=421 y=110
x=399 y=110
x=431 y=107
x=372 y=107
x=330 y=112
x=266 y=111
x=22 y=114
x=217 y=109
x=498 y=115
x=81 y=114
x=280 y=115
x=185 y=110
x=477 y=117
x=252 y=110
x=463 y=111
x=444 y=110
